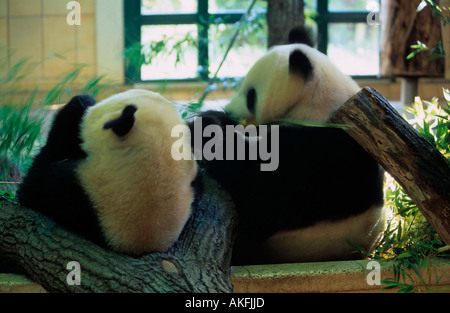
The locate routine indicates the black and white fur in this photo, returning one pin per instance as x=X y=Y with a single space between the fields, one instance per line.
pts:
x=106 y=172
x=327 y=191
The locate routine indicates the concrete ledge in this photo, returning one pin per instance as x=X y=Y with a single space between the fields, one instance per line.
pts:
x=15 y=283
x=319 y=277
x=327 y=277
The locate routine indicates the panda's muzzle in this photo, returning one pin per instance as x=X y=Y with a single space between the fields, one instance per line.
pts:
x=124 y=123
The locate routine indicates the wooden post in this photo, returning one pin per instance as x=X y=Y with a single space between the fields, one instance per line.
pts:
x=402 y=26
x=446 y=36
x=416 y=165
x=409 y=90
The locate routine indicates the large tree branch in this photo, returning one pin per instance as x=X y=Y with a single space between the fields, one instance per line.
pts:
x=198 y=262
x=416 y=165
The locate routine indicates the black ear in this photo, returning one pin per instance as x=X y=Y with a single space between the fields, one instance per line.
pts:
x=299 y=34
x=299 y=64
x=124 y=123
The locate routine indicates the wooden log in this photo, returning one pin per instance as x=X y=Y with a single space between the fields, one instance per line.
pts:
x=402 y=26
x=198 y=262
x=415 y=164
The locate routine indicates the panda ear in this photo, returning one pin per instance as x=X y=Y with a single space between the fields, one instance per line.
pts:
x=124 y=123
x=299 y=64
x=300 y=35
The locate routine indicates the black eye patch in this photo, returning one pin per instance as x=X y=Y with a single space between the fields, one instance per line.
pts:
x=251 y=100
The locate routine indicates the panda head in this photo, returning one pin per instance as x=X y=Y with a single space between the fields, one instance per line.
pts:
x=141 y=194
x=133 y=119
x=293 y=81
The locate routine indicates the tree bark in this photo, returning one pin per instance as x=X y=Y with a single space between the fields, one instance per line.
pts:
x=198 y=262
x=282 y=16
x=416 y=165
x=402 y=26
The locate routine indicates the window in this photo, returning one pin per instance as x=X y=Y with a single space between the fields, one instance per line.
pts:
x=187 y=39
x=346 y=36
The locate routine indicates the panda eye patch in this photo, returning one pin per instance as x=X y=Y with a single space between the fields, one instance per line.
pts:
x=251 y=100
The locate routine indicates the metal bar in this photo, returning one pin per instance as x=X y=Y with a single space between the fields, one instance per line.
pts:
x=132 y=12
x=346 y=17
x=165 y=19
x=203 y=42
x=322 y=25
x=168 y=19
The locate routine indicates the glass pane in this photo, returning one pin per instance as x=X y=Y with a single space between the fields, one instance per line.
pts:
x=354 y=48
x=354 y=5
x=170 y=52
x=248 y=47
x=168 y=6
x=217 y=6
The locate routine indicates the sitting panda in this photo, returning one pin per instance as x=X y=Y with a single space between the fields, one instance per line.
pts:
x=327 y=192
x=106 y=172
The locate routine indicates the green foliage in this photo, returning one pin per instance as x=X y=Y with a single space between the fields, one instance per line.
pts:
x=436 y=9
x=409 y=239
x=420 y=47
x=22 y=114
x=433 y=53
x=166 y=46
x=432 y=121
x=7 y=197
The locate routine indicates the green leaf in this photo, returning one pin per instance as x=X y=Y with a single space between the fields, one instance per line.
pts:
x=404 y=255
x=408 y=289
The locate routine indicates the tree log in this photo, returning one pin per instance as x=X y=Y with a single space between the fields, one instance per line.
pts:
x=198 y=262
x=414 y=163
x=402 y=26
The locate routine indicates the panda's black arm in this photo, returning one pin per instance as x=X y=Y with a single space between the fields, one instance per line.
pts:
x=63 y=140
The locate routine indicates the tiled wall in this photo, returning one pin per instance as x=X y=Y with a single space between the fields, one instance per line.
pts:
x=39 y=29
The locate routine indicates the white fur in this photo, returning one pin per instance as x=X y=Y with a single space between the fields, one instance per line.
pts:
x=326 y=241
x=284 y=95
x=142 y=195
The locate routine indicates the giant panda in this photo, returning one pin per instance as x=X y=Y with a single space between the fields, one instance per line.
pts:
x=326 y=196
x=106 y=172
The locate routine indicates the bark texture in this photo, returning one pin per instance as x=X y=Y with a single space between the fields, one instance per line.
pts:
x=402 y=26
x=282 y=16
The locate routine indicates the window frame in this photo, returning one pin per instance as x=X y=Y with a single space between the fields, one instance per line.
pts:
x=326 y=17
x=203 y=19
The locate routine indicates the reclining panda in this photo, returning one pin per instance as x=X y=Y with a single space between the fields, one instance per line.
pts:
x=327 y=193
